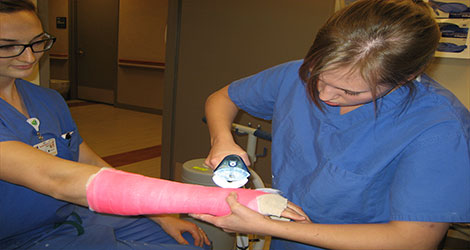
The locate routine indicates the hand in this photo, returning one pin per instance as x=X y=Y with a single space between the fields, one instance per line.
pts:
x=221 y=149
x=295 y=213
x=175 y=227
x=244 y=220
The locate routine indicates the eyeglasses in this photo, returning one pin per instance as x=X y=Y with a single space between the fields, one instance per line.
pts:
x=13 y=50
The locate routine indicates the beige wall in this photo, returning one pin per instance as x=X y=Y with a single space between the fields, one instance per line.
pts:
x=59 y=53
x=142 y=26
x=453 y=74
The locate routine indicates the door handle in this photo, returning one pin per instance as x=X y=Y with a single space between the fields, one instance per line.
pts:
x=80 y=52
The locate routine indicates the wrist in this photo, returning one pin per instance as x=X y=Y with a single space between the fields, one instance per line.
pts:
x=222 y=138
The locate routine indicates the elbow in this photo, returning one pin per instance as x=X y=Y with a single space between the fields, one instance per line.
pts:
x=57 y=190
x=66 y=191
x=428 y=235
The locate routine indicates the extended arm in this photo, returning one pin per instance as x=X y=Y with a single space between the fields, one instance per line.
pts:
x=89 y=156
x=220 y=113
x=24 y=165
x=113 y=191
x=392 y=235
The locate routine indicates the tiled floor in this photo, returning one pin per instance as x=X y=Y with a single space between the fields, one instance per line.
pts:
x=131 y=141
x=126 y=139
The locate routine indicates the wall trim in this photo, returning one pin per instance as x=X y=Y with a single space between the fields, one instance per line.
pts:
x=95 y=94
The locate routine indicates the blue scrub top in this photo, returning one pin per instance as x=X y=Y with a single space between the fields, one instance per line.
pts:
x=23 y=211
x=30 y=220
x=405 y=162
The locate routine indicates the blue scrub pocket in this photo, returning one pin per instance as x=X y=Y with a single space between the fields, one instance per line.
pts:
x=68 y=145
x=334 y=195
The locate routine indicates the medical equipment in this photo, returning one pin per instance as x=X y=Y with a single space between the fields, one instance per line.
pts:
x=231 y=172
x=243 y=240
x=195 y=171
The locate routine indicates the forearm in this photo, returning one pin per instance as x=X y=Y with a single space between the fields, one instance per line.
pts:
x=89 y=156
x=392 y=235
x=24 y=165
x=220 y=113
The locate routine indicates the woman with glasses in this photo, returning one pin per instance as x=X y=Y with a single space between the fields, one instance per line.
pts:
x=375 y=151
x=34 y=119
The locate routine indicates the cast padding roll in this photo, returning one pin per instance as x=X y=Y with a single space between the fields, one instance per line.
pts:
x=118 y=192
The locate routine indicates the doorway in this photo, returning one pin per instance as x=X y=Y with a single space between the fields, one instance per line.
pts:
x=94 y=46
x=111 y=51
x=85 y=53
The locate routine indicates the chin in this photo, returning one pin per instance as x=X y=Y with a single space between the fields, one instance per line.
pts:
x=22 y=73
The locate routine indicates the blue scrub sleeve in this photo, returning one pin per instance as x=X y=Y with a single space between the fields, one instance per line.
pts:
x=432 y=181
x=257 y=94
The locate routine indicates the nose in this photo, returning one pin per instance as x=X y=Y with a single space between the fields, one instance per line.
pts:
x=27 y=56
x=326 y=93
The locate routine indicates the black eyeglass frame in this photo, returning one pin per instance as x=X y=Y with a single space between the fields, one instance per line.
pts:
x=30 y=45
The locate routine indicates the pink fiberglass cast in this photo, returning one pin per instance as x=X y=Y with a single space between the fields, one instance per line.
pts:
x=117 y=192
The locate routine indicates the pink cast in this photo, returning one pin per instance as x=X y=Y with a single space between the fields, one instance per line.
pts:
x=117 y=192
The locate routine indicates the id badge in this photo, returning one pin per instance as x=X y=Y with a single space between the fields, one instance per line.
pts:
x=48 y=146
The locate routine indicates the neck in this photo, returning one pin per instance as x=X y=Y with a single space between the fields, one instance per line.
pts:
x=9 y=93
x=7 y=89
x=347 y=109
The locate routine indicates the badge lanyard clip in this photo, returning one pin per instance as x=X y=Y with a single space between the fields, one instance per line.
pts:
x=34 y=122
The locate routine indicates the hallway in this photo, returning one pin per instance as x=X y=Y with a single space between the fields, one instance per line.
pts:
x=126 y=139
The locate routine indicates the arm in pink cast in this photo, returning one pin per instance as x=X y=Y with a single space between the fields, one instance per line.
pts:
x=118 y=192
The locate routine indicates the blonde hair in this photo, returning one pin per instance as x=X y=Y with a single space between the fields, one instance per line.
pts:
x=389 y=42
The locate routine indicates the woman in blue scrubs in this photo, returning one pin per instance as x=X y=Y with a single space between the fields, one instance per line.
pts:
x=34 y=117
x=374 y=150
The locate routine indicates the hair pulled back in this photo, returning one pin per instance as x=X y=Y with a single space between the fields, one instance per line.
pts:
x=389 y=42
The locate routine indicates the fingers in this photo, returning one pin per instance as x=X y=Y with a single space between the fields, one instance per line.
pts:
x=204 y=217
x=211 y=162
x=291 y=214
x=232 y=199
x=199 y=237
x=179 y=238
x=195 y=232
x=245 y=159
x=220 y=150
x=298 y=210
x=295 y=207
x=204 y=236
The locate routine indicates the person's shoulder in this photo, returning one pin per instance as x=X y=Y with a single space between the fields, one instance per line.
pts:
x=442 y=101
x=37 y=90
x=440 y=95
